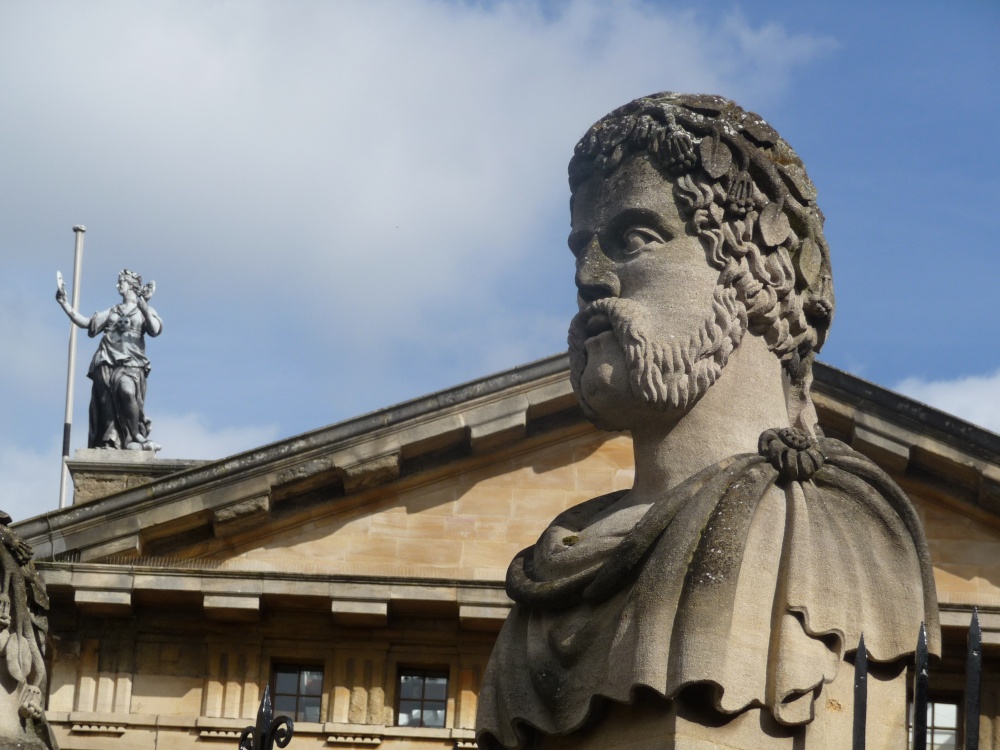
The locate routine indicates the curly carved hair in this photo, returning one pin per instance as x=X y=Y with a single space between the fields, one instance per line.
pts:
x=131 y=278
x=746 y=194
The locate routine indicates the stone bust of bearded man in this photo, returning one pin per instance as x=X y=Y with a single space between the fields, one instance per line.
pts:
x=720 y=601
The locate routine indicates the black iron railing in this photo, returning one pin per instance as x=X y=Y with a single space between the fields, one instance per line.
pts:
x=973 y=675
x=270 y=730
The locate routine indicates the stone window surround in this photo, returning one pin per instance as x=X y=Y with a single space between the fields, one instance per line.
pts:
x=401 y=659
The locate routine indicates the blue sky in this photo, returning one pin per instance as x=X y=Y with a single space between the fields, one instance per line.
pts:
x=345 y=205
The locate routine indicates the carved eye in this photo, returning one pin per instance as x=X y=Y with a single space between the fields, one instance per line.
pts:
x=639 y=239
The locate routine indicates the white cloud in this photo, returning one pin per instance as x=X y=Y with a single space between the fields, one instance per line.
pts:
x=975 y=398
x=397 y=145
x=29 y=479
x=191 y=436
x=338 y=200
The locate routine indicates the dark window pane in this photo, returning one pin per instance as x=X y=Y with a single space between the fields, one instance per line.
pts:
x=411 y=686
x=286 y=682
x=298 y=691
x=436 y=688
x=311 y=682
x=284 y=704
x=309 y=708
x=409 y=714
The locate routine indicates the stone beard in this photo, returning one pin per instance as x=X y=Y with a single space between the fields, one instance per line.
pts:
x=665 y=376
x=719 y=601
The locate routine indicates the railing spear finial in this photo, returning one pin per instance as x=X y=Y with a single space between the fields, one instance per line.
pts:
x=973 y=677
x=860 y=695
x=920 y=692
x=270 y=731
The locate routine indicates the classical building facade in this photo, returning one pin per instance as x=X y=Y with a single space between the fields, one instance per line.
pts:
x=359 y=569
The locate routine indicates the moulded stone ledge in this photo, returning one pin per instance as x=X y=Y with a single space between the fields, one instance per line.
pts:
x=242 y=515
x=107 y=729
x=124 y=545
x=372 y=472
x=943 y=460
x=216 y=723
x=482 y=618
x=352 y=739
x=484 y=597
x=103 y=603
x=881 y=441
x=219 y=734
x=960 y=617
x=496 y=424
x=238 y=608
x=497 y=433
x=371 y=613
x=552 y=397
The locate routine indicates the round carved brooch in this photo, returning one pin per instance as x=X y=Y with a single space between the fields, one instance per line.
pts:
x=792 y=452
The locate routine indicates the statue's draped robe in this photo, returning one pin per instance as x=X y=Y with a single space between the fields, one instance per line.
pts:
x=121 y=354
x=740 y=578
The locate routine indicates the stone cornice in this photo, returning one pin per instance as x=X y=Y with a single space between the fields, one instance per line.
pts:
x=231 y=593
x=431 y=433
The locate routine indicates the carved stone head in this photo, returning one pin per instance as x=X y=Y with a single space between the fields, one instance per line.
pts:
x=129 y=279
x=693 y=224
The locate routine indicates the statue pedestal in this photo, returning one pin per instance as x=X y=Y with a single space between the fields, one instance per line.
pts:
x=652 y=724
x=99 y=472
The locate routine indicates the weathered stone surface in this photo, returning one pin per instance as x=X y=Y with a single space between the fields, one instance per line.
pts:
x=730 y=584
x=24 y=605
x=98 y=472
x=683 y=726
x=232 y=607
x=241 y=516
x=365 y=613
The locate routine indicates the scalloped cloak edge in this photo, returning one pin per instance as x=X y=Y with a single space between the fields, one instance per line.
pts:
x=737 y=578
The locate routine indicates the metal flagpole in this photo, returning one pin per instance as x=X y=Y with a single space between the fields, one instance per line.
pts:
x=68 y=421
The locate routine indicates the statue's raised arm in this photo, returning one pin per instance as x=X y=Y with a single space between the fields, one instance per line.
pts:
x=61 y=298
x=119 y=367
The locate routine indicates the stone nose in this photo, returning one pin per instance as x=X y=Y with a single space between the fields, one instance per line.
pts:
x=595 y=274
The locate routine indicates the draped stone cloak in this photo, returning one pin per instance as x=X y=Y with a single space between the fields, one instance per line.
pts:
x=121 y=354
x=753 y=577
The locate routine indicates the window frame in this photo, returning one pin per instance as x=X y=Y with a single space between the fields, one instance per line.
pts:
x=298 y=667
x=934 y=699
x=425 y=670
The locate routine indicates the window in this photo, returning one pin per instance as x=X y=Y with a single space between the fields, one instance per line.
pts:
x=298 y=691
x=422 y=697
x=942 y=726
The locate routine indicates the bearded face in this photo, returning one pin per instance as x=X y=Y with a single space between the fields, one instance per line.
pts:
x=655 y=327
x=669 y=376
